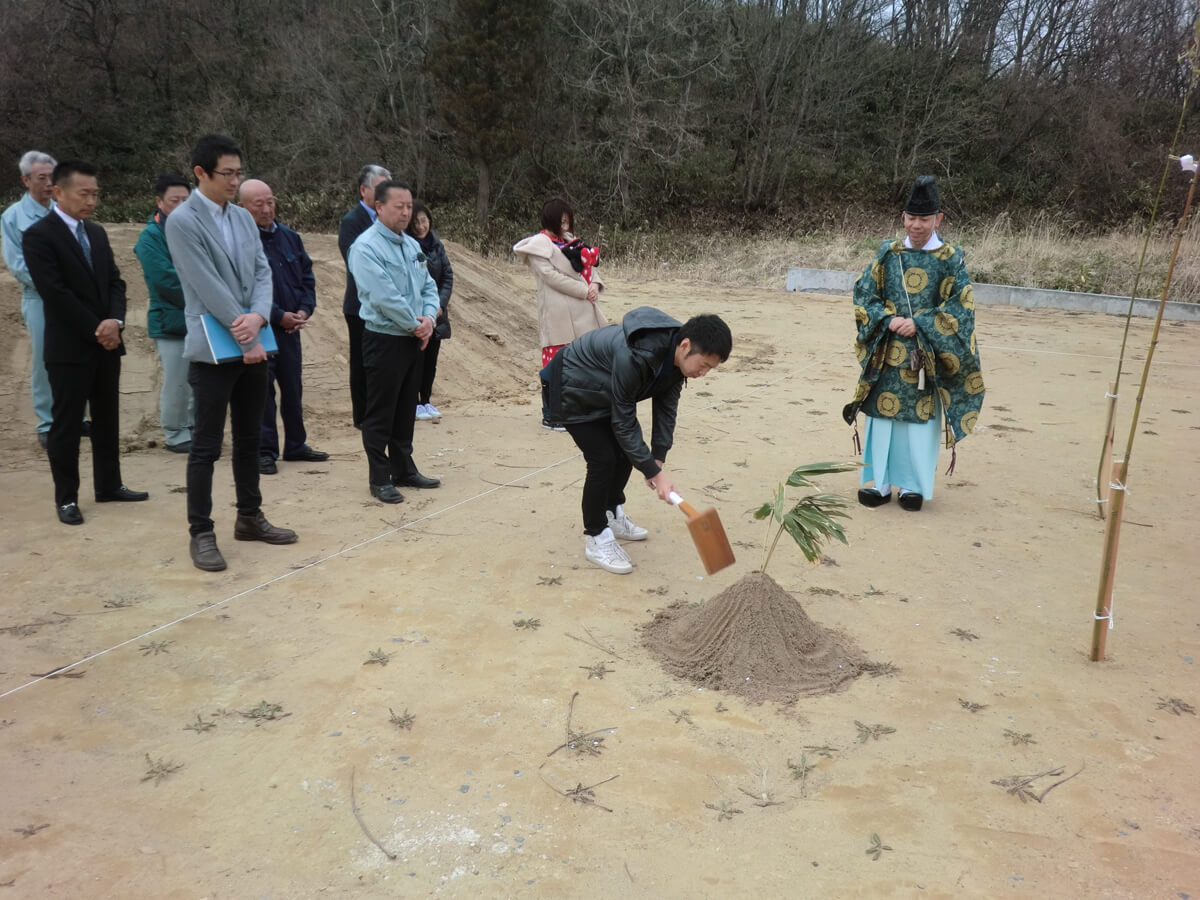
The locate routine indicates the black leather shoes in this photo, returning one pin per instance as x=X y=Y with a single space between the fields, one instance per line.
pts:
x=387 y=493
x=257 y=528
x=266 y=465
x=416 y=480
x=183 y=447
x=205 y=554
x=69 y=514
x=43 y=439
x=306 y=454
x=122 y=495
x=872 y=498
x=911 y=501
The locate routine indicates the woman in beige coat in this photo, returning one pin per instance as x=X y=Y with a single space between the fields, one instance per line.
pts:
x=566 y=297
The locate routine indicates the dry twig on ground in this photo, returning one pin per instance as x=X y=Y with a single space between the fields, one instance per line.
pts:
x=363 y=825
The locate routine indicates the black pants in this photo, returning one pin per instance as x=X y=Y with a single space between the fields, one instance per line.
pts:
x=429 y=369
x=284 y=369
x=241 y=389
x=358 y=376
x=95 y=380
x=393 y=367
x=608 y=471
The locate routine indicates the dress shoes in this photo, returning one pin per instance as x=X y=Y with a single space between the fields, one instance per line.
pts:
x=306 y=454
x=69 y=514
x=416 y=480
x=266 y=465
x=182 y=447
x=257 y=528
x=122 y=495
x=43 y=439
x=205 y=554
x=911 y=501
x=872 y=498
x=387 y=493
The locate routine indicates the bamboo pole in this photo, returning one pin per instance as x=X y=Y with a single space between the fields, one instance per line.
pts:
x=1108 y=568
x=1108 y=563
x=1102 y=486
x=1193 y=58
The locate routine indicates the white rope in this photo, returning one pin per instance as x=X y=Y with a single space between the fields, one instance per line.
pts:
x=1116 y=486
x=288 y=574
x=343 y=551
x=1111 y=621
x=1109 y=396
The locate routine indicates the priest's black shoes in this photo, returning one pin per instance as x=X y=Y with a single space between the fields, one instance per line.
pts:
x=122 y=495
x=911 y=501
x=871 y=497
x=416 y=480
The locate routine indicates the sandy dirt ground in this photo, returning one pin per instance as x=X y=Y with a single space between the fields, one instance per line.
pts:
x=223 y=734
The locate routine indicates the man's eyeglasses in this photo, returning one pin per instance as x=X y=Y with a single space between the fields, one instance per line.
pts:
x=230 y=174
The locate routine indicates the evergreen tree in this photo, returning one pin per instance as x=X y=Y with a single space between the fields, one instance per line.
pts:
x=487 y=63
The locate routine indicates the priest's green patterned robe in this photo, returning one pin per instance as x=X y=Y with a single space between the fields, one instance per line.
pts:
x=907 y=414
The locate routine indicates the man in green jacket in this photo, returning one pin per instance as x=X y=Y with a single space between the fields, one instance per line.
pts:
x=164 y=319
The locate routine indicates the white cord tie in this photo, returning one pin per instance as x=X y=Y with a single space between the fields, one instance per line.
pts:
x=1111 y=620
x=1111 y=396
x=1105 y=500
x=1116 y=486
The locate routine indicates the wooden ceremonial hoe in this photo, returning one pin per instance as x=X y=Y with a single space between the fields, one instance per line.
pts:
x=707 y=534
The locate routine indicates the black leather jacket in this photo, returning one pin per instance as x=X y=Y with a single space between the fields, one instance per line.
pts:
x=605 y=373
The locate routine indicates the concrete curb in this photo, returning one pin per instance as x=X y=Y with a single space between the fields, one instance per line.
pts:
x=827 y=281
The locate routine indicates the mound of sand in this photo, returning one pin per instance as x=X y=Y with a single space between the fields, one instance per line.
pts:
x=752 y=639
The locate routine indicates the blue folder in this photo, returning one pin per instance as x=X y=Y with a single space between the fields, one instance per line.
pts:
x=225 y=347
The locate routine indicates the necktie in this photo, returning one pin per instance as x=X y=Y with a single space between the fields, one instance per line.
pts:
x=81 y=236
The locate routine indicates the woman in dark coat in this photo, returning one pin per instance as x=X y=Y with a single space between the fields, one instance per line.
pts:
x=420 y=226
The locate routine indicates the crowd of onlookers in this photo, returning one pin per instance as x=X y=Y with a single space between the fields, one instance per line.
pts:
x=230 y=289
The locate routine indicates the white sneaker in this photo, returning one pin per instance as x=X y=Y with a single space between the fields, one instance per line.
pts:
x=624 y=528
x=433 y=411
x=604 y=551
x=423 y=412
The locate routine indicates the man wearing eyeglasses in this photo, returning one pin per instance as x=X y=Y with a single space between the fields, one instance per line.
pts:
x=225 y=275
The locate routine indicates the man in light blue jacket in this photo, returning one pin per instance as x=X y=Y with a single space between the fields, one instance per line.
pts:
x=36 y=169
x=399 y=309
x=224 y=274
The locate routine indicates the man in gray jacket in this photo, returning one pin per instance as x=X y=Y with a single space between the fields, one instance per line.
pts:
x=595 y=384
x=226 y=284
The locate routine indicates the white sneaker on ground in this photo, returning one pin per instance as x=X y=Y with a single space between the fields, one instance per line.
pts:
x=624 y=528
x=433 y=411
x=551 y=427
x=604 y=551
x=423 y=412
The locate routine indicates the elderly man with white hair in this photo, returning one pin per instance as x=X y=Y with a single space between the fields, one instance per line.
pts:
x=36 y=171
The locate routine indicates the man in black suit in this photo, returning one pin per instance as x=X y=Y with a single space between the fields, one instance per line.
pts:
x=72 y=267
x=354 y=223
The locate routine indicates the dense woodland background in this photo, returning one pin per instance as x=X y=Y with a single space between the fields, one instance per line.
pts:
x=694 y=113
